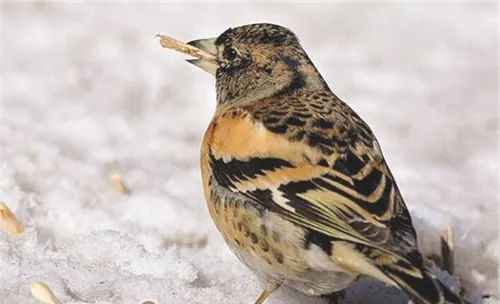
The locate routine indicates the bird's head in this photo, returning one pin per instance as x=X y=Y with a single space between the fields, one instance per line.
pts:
x=257 y=61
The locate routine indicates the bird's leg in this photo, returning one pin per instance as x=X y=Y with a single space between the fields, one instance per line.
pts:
x=270 y=288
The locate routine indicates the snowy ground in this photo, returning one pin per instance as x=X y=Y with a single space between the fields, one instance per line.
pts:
x=86 y=91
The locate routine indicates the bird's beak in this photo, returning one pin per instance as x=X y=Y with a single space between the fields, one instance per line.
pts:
x=207 y=45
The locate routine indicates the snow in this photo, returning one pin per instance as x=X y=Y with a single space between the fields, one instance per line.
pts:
x=87 y=91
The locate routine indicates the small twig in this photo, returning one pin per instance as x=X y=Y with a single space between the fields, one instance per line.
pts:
x=447 y=250
x=174 y=44
x=8 y=221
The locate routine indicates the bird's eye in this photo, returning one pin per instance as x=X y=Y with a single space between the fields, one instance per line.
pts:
x=230 y=53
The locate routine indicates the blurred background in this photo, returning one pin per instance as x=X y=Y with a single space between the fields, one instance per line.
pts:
x=86 y=90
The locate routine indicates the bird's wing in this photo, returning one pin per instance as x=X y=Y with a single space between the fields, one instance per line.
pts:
x=331 y=179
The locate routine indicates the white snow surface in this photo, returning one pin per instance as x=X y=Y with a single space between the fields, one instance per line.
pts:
x=86 y=90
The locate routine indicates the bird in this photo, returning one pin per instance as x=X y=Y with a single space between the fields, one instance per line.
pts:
x=295 y=180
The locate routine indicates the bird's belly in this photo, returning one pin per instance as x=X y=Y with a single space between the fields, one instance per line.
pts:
x=309 y=281
x=274 y=249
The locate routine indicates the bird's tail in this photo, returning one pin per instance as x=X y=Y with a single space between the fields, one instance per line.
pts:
x=420 y=285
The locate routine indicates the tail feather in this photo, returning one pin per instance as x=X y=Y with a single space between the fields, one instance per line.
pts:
x=449 y=295
x=421 y=286
x=409 y=274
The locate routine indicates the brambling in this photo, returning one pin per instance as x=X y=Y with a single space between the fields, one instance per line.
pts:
x=295 y=180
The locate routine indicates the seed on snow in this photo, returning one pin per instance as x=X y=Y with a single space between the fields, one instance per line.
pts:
x=43 y=293
x=118 y=184
x=8 y=221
